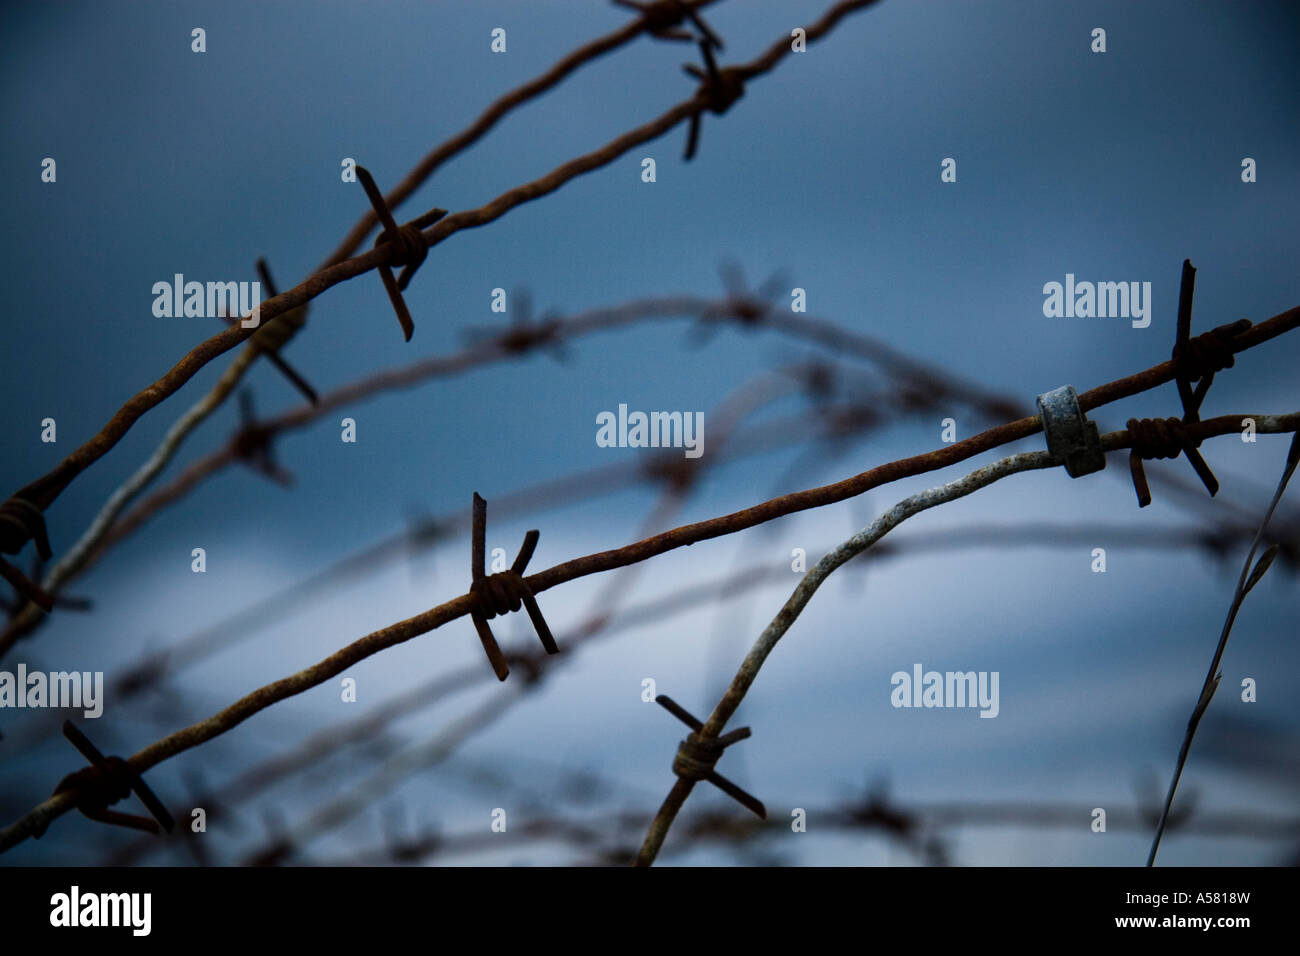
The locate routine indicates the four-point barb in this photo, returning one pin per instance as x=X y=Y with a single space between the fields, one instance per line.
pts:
x=275 y=334
x=718 y=88
x=696 y=756
x=502 y=592
x=409 y=247
x=1196 y=359
x=106 y=781
x=270 y=338
x=662 y=19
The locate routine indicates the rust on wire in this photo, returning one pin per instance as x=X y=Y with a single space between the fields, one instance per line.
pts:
x=1199 y=358
x=26 y=587
x=1163 y=438
x=409 y=247
x=20 y=522
x=718 y=88
x=1195 y=360
x=28 y=590
x=106 y=781
x=697 y=755
x=503 y=592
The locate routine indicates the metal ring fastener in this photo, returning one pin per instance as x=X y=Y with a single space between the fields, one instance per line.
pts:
x=1071 y=437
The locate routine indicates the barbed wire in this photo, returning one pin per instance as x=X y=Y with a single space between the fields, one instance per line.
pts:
x=718 y=89
x=36 y=820
x=41 y=493
x=1248 y=579
x=711 y=728
x=915 y=826
x=659 y=609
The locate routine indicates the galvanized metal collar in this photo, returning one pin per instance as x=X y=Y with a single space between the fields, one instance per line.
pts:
x=1071 y=437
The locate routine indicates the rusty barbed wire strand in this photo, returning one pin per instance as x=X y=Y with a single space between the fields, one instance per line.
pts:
x=579 y=486
x=435 y=617
x=660 y=608
x=502 y=592
x=409 y=247
x=731 y=413
x=267 y=340
x=921 y=377
x=656 y=610
x=317 y=747
x=77 y=556
x=1136 y=438
x=270 y=337
x=293 y=320
x=743 y=402
x=445 y=743
x=274 y=336
x=495 y=112
x=738 y=305
x=820 y=331
x=1195 y=359
x=1110 y=389
x=485 y=122
x=721 y=89
x=887 y=521
x=44 y=490
x=106 y=781
x=1113 y=385
x=727 y=417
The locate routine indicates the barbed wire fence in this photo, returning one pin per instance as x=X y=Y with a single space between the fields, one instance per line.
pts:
x=911 y=386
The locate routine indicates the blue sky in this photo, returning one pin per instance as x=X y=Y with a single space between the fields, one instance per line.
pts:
x=1113 y=167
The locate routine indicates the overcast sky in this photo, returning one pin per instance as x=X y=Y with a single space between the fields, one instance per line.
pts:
x=1109 y=166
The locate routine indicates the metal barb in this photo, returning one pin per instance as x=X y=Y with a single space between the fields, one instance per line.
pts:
x=106 y=781
x=1186 y=289
x=696 y=756
x=252 y=443
x=1163 y=438
x=26 y=587
x=409 y=247
x=663 y=18
x=1196 y=359
x=285 y=325
x=503 y=592
x=719 y=88
x=20 y=522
